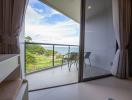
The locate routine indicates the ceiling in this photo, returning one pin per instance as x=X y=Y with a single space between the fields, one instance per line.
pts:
x=96 y=7
x=70 y=8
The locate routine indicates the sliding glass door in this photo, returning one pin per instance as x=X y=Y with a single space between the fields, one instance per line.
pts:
x=98 y=44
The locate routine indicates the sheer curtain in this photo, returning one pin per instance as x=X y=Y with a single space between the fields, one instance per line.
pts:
x=122 y=28
x=11 y=19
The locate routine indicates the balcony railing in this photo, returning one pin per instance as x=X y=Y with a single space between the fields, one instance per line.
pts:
x=42 y=56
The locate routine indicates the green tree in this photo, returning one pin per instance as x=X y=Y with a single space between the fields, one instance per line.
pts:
x=37 y=56
x=49 y=52
x=28 y=39
x=30 y=58
x=59 y=56
x=35 y=49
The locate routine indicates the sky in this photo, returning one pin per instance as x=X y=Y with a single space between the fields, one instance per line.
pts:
x=45 y=24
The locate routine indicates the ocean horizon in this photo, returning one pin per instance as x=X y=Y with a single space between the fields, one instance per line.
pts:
x=63 y=49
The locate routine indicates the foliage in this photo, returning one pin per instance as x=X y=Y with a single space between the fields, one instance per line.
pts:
x=30 y=58
x=49 y=52
x=38 y=57
x=35 y=49
x=28 y=39
x=58 y=56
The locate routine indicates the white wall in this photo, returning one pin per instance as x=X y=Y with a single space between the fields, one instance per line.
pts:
x=100 y=39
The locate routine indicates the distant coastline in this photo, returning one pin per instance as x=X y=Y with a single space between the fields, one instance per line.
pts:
x=63 y=49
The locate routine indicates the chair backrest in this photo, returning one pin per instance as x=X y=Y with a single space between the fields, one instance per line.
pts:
x=65 y=56
x=87 y=55
x=73 y=56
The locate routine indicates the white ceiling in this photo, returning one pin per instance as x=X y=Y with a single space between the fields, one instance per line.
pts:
x=97 y=6
x=70 y=8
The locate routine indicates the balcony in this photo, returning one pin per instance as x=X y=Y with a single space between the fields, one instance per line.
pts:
x=47 y=66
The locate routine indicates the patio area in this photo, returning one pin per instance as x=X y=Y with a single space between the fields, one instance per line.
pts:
x=52 y=77
x=58 y=76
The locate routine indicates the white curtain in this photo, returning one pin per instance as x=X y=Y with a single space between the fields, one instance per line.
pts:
x=122 y=28
x=115 y=7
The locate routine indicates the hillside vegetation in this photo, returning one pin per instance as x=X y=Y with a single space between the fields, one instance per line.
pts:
x=39 y=57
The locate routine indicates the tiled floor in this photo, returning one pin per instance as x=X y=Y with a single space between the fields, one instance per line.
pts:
x=58 y=76
x=94 y=71
x=102 y=89
x=52 y=77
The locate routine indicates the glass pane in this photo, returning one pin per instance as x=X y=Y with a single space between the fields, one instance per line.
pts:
x=48 y=25
x=100 y=43
x=74 y=49
x=60 y=52
x=38 y=57
x=74 y=56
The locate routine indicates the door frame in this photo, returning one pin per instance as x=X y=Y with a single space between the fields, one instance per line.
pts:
x=82 y=35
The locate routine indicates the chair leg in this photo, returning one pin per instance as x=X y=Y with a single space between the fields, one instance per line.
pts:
x=85 y=64
x=62 y=64
x=68 y=63
x=90 y=62
x=70 y=66
x=76 y=64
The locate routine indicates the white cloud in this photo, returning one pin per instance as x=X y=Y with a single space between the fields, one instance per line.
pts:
x=39 y=10
x=60 y=33
x=32 y=13
x=35 y=15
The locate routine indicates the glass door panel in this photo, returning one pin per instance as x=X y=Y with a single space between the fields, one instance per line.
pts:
x=99 y=44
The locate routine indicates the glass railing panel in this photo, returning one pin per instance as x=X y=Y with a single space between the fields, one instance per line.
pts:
x=38 y=57
x=59 y=53
x=74 y=49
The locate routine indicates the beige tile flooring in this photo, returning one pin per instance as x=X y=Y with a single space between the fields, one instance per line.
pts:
x=58 y=76
x=101 y=89
x=52 y=77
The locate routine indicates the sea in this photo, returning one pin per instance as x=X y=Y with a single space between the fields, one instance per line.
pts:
x=63 y=49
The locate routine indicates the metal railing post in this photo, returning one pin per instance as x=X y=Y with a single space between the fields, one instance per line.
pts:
x=25 y=65
x=69 y=49
x=53 y=54
x=68 y=54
